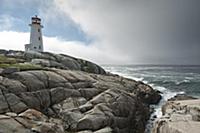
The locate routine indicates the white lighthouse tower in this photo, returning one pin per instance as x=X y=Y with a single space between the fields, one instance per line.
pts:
x=36 y=43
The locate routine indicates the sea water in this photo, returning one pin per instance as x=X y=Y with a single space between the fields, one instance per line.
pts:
x=169 y=79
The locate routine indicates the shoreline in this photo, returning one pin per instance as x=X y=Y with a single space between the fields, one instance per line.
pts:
x=166 y=95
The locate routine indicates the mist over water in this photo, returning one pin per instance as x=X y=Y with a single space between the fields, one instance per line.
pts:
x=170 y=80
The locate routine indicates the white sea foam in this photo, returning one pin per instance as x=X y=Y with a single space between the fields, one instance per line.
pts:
x=182 y=81
x=145 y=81
x=189 y=78
x=137 y=79
x=160 y=88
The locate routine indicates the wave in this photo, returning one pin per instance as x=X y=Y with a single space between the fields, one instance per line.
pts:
x=160 y=88
x=182 y=82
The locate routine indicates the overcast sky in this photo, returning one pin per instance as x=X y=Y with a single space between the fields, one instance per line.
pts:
x=108 y=31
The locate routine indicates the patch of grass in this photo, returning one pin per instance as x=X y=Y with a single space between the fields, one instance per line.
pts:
x=7 y=60
x=24 y=66
x=4 y=65
x=21 y=66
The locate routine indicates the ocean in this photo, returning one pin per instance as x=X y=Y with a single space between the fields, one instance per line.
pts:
x=169 y=79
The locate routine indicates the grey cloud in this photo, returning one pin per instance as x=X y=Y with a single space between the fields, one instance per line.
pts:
x=141 y=31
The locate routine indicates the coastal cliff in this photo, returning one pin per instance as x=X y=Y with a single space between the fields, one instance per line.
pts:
x=180 y=115
x=53 y=93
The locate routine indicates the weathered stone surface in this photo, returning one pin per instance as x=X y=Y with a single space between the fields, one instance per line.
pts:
x=14 y=103
x=89 y=93
x=9 y=70
x=3 y=104
x=10 y=125
x=28 y=122
x=70 y=63
x=10 y=85
x=57 y=100
x=28 y=79
x=33 y=115
x=112 y=108
x=48 y=128
x=59 y=94
x=10 y=102
x=39 y=100
x=179 y=117
x=71 y=119
x=48 y=63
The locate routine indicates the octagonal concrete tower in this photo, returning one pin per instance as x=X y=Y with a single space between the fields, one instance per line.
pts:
x=36 y=43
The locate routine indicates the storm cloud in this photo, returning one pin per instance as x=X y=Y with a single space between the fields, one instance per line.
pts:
x=140 y=31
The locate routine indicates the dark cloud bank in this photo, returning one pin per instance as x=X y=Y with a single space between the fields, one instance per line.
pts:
x=144 y=31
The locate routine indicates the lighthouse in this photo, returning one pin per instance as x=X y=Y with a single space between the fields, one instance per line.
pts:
x=36 y=43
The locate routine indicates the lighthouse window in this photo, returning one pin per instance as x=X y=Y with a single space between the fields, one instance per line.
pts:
x=38 y=38
x=39 y=47
x=38 y=30
x=35 y=47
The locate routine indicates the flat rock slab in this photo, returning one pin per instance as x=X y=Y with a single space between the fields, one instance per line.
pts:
x=179 y=117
